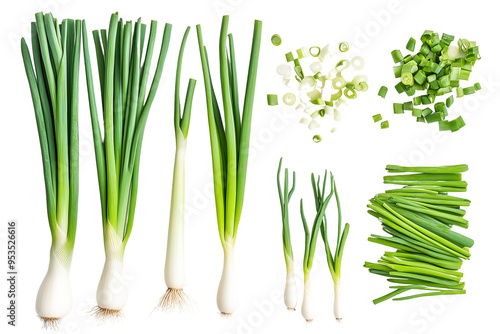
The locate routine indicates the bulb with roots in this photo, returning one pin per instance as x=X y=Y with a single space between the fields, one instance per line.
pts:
x=54 y=299
x=227 y=293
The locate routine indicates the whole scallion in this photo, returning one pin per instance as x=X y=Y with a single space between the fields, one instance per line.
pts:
x=53 y=82
x=123 y=79
x=229 y=143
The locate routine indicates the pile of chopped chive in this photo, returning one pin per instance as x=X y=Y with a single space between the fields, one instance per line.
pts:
x=419 y=218
x=321 y=87
x=436 y=69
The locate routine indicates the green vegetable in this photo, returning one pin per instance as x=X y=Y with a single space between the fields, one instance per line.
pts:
x=382 y=92
x=418 y=219
x=53 y=81
x=276 y=40
x=397 y=56
x=126 y=108
x=230 y=145
x=272 y=99
x=384 y=125
x=411 y=44
x=377 y=118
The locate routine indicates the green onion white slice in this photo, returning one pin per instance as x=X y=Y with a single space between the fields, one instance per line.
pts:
x=175 y=273
x=126 y=107
x=290 y=295
x=229 y=143
x=53 y=84
x=311 y=237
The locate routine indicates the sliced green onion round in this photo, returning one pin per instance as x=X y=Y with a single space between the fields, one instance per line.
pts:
x=338 y=82
x=314 y=94
x=342 y=65
x=314 y=51
x=276 y=39
x=284 y=69
x=316 y=67
x=343 y=47
x=272 y=99
x=289 y=99
x=358 y=63
x=407 y=79
x=317 y=138
x=350 y=93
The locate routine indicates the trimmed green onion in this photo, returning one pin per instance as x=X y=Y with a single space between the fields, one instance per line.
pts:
x=377 y=118
x=276 y=40
x=384 y=125
x=272 y=99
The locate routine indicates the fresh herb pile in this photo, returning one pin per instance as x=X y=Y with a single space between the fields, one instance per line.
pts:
x=419 y=218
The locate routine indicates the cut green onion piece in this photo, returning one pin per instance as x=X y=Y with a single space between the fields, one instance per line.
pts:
x=400 y=87
x=460 y=92
x=314 y=51
x=398 y=108
x=289 y=57
x=338 y=82
x=449 y=101
x=411 y=44
x=469 y=90
x=457 y=124
x=342 y=65
x=444 y=125
x=272 y=99
x=382 y=91
x=416 y=112
x=384 y=125
x=343 y=47
x=317 y=138
x=477 y=86
x=276 y=40
x=408 y=105
x=435 y=117
x=407 y=79
x=377 y=118
x=302 y=52
x=397 y=56
x=284 y=69
x=350 y=93
x=289 y=99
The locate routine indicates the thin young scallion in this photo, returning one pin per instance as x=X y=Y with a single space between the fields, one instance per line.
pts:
x=290 y=295
x=175 y=273
x=311 y=237
x=229 y=144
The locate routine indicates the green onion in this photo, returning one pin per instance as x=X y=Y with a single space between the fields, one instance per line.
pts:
x=411 y=44
x=174 y=272
x=53 y=80
x=311 y=237
x=384 y=125
x=230 y=146
x=288 y=99
x=289 y=57
x=397 y=56
x=382 y=92
x=317 y=138
x=398 y=108
x=126 y=107
x=419 y=221
x=314 y=51
x=272 y=99
x=377 y=118
x=290 y=295
x=276 y=40
x=343 y=47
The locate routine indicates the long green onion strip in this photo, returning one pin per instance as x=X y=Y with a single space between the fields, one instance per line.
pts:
x=285 y=194
x=229 y=143
x=174 y=273
x=123 y=74
x=335 y=260
x=53 y=80
x=419 y=219
x=311 y=237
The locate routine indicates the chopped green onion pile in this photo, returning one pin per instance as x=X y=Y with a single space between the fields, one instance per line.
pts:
x=321 y=87
x=436 y=69
x=419 y=218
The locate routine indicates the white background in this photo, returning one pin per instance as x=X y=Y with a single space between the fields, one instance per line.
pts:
x=357 y=154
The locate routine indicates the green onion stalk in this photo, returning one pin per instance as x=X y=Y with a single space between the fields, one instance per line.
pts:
x=311 y=237
x=229 y=145
x=53 y=80
x=335 y=260
x=123 y=81
x=175 y=275
x=290 y=295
